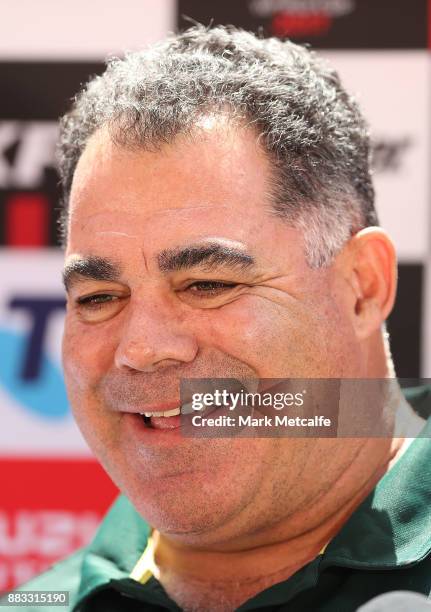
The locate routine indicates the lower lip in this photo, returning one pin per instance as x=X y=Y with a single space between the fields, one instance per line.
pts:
x=166 y=423
x=168 y=433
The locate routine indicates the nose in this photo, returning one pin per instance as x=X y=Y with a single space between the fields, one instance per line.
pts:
x=153 y=337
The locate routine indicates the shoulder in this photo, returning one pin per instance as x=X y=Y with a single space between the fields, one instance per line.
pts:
x=62 y=576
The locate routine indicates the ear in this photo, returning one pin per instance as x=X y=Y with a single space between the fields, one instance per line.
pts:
x=369 y=266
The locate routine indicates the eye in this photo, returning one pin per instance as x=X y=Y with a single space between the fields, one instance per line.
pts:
x=209 y=288
x=96 y=301
x=99 y=307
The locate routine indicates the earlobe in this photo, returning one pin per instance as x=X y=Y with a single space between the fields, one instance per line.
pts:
x=373 y=278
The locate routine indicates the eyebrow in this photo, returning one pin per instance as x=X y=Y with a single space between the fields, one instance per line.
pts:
x=92 y=267
x=210 y=255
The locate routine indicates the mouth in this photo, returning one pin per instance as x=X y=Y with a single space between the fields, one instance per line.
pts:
x=162 y=413
x=162 y=419
x=173 y=414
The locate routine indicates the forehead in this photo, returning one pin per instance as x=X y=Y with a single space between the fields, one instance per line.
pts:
x=215 y=166
x=214 y=183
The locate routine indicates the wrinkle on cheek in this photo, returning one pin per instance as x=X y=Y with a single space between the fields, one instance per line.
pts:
x=309 y=300
x=284 y=306
x=280 y=335
x=242 y=329
x=276 y=296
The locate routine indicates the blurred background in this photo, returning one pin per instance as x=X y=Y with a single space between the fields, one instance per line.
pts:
x=52 y=492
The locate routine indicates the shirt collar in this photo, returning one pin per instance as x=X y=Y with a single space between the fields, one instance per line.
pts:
x=116 y=548
x=392 y=526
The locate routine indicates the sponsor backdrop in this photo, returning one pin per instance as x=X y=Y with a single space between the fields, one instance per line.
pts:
x=53 y=492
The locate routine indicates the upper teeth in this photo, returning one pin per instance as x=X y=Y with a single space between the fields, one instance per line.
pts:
x=166 y=413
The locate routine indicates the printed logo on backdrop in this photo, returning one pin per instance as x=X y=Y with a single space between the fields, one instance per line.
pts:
x=33 y=540
x=297 y=18
x=388 y=154
x=35 y=411
x=329 y=24
x=29 y=374
x=34 y=96
x=28 y=182
x=50 y=507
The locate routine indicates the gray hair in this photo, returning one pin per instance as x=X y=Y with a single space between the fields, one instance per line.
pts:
x=312 y=131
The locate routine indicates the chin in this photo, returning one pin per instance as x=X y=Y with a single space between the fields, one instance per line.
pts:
x=181 y=509
x=181 y=520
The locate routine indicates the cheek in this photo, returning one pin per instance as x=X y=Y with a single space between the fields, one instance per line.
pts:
x=276 y=341
x=253 y=330
x=88 y=353
x=86 y=357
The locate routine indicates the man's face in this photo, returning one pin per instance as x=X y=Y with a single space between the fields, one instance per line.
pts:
x=241 y=302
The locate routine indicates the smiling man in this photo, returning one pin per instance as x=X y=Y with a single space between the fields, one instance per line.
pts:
x=219 y=222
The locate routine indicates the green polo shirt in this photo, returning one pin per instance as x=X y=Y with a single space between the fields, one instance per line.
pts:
x=384 y=546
